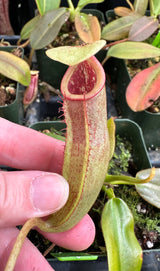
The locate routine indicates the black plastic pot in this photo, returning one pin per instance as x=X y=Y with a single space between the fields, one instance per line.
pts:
x=52 y=71
x=13 y=111
x=151 y=262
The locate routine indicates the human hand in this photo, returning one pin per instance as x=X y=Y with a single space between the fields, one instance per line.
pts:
x=34 y=192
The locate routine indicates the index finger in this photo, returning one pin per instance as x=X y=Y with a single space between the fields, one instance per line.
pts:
x=24 y=148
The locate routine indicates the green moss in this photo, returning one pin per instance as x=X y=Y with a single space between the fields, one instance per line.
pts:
x=146 y=216
x=121 y=158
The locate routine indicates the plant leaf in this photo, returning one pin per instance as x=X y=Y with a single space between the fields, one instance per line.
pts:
x=150 y=191
x=140 y=6
x=47 y=5
x=144 y=88
x=88 y=27
x=123 y=249
x=123 y=11
x=83 y=3
x=72 y=55
x=14 y=68
x=156 y=41
x=133 y=50
x=119 y=28
x=154 y=7
x=48 y=27
x=111 y=130
x=29 y=27
x=143 y=28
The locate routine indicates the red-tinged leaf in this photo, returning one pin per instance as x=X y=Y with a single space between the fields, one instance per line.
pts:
x=144 y=88
x=119 y=28
x=143 y=28
x=31 y=91
x=123 y=11
x=88 y=27
x=140 y=6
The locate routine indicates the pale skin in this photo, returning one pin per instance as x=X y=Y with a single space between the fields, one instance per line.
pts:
x=24 y=195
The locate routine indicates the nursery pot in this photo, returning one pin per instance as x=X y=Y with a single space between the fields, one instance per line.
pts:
x=129 y=130
x=13 y=111
x=151 y=262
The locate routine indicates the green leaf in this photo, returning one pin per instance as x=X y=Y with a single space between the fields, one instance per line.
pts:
x=144 y=88
x=111 y=130
x=119 y=28
x=72 y=55
x=140 y=6
x=150 y=191
x=123 y=250
x=83 y=3
x=48 y=28
x=143 y=28
x=47 y=5
x=29 y=27
x=14 y=68
x=156 y=41
x=133 y=50
x=154 y=7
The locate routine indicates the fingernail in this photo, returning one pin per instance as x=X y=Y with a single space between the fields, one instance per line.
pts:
x=49 y=193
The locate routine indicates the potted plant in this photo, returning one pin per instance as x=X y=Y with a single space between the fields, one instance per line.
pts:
x=83 y=90
x=89 y=147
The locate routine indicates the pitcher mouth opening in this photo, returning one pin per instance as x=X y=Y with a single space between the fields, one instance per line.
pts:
x=83 y=80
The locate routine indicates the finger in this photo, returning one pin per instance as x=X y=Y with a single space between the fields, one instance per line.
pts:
x=27 y=194
x=29 y=258
x=24 y=148
x=78 y=238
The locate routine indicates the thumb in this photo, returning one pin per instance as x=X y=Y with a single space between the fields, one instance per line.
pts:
x=28 y=194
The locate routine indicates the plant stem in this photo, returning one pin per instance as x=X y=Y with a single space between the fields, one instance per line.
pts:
x=70 y=4
x=19 y=242
x=72 y=10
x=123 y=179
x=130 y=4
x=109 y=192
